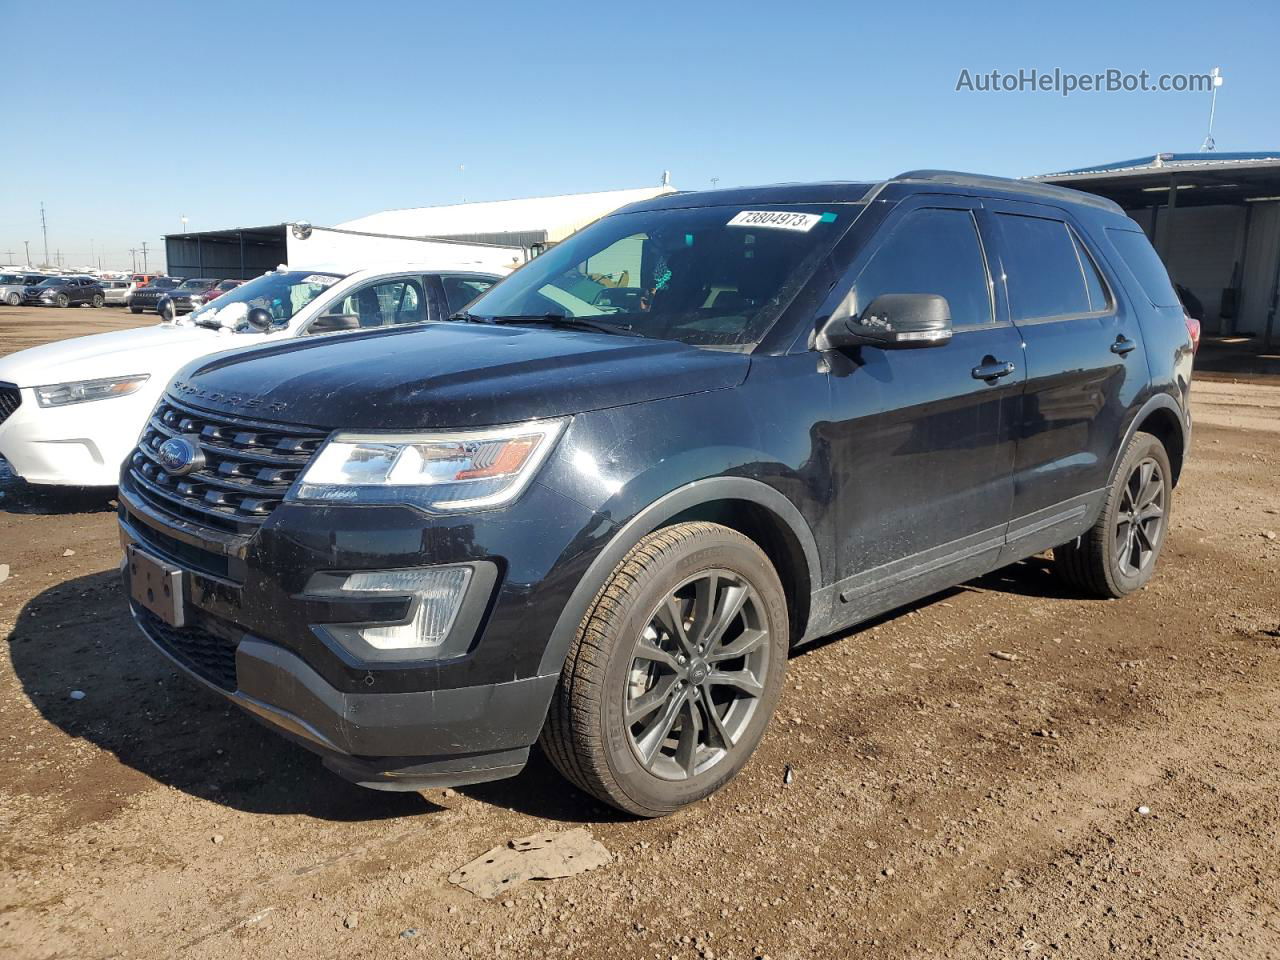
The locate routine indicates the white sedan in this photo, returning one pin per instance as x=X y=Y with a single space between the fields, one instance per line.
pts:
x=71 y=411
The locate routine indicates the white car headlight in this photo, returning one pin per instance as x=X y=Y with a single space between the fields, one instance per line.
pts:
x=463 y=470
x=82 y=391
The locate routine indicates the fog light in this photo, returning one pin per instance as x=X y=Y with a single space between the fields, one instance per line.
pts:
x=437 y=594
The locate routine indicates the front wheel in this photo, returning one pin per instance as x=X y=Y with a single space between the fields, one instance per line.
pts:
x=674 y=672
x=62 y=300
x=135 y=309
x=98 y=300
x=14 y=300
x=1118 y=554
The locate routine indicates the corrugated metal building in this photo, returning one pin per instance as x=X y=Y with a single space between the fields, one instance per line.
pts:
x=245 y=252
x=1214 y=218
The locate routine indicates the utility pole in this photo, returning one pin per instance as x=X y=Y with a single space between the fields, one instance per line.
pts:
x=44 y=228
x=144 y=256
x=26 y=244
x=8 y=254
x=133 y=253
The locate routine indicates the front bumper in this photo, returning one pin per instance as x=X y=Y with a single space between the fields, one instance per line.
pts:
x=392 y=724
x=79 y=445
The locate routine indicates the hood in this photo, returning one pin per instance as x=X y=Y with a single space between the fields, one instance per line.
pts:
x=157 y=350
x=451 y=375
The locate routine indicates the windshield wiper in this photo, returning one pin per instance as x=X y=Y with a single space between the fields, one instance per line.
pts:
x=569 y=323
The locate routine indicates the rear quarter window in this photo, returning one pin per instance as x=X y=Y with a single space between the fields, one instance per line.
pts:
x=1145 y=264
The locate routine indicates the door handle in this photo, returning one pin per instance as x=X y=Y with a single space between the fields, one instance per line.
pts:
x=992 y=370
x=1123 y=345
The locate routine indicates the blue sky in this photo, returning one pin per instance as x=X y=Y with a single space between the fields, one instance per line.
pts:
x=238 y=114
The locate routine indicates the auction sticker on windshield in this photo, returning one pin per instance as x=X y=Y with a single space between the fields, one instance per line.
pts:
x=323 y=279
x=776 y=220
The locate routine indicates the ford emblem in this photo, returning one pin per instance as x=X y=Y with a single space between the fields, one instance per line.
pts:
x=180 y=456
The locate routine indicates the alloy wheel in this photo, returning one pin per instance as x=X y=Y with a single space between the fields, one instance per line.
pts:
x=696 y=676
x=1140 y=518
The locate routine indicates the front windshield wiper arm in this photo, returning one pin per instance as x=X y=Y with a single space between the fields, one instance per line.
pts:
x=560 y=320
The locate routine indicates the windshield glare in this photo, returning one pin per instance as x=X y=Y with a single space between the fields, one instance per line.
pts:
x=282 y=294
x=706 y=276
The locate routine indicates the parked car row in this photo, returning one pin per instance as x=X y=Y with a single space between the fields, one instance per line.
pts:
x=598 y=518
x=61 y=290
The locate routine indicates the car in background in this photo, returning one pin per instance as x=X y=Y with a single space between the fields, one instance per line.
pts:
x=142 y=279
x=222 y=287
x=12 y=286
x=146 y=298
x=117 y=292
x=187 y=296
x=72 y=410
x=65 y=292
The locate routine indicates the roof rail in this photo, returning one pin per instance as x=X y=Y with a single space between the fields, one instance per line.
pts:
x=1045 y=191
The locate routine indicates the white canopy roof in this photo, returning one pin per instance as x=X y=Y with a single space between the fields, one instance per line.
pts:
x=558 y=216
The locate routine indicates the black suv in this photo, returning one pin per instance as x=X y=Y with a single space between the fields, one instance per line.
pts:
x=148 y=298
x=601 y=522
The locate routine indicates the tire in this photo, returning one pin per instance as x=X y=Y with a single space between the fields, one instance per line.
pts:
x=625 y=658
x=135 y=309
x=1118 y=555
x=98 y=300
x=62 y=300
x=14 y=300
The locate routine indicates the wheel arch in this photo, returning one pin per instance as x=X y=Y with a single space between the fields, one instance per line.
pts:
x=1161 y=417
x=751 y=507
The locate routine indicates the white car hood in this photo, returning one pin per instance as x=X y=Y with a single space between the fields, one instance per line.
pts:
x=159 y=351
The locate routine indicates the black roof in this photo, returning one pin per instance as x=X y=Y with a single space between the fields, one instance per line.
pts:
x=842 y=191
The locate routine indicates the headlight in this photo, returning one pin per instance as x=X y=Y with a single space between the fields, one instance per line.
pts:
x=462 y=470
x=81 y=391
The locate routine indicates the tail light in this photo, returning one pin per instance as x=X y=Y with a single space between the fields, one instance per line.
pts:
x=1193 y=328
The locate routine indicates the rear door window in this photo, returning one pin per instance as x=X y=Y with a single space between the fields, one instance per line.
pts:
x=459 y=291
x=1042 y=269
x=932 y=250
x=1099 y=296
x=1145 y=264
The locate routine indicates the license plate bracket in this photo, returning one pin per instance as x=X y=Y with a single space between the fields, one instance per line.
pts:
x=156 y=586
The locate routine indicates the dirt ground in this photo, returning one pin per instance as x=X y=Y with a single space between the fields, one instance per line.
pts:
x=22 y=327
x=1114 y=790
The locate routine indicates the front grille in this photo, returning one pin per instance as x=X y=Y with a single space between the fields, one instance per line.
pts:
x=207 y=655
x=249 y=465
x=10 y=400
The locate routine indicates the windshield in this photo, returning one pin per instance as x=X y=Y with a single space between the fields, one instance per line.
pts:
x=707 y=276
x=196 y=285
x=164 y=283
x=51 y=282
x=282 y=294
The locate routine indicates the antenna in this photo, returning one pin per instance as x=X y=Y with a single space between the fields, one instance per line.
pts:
x=1208 y=145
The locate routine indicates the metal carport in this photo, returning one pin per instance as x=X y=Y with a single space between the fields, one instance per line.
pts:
x=239 y=254
x=1215 y=220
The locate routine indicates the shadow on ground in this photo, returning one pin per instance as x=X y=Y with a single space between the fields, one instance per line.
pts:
x=18 y=496
x=78 y=635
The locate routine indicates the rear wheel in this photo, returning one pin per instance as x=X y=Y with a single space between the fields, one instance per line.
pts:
x=1118 y=554
x=14 y=300
x=674 y=673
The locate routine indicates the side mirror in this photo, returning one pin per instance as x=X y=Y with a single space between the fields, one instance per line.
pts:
x=259 y=318
x=334 y=322
x=891 y=320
